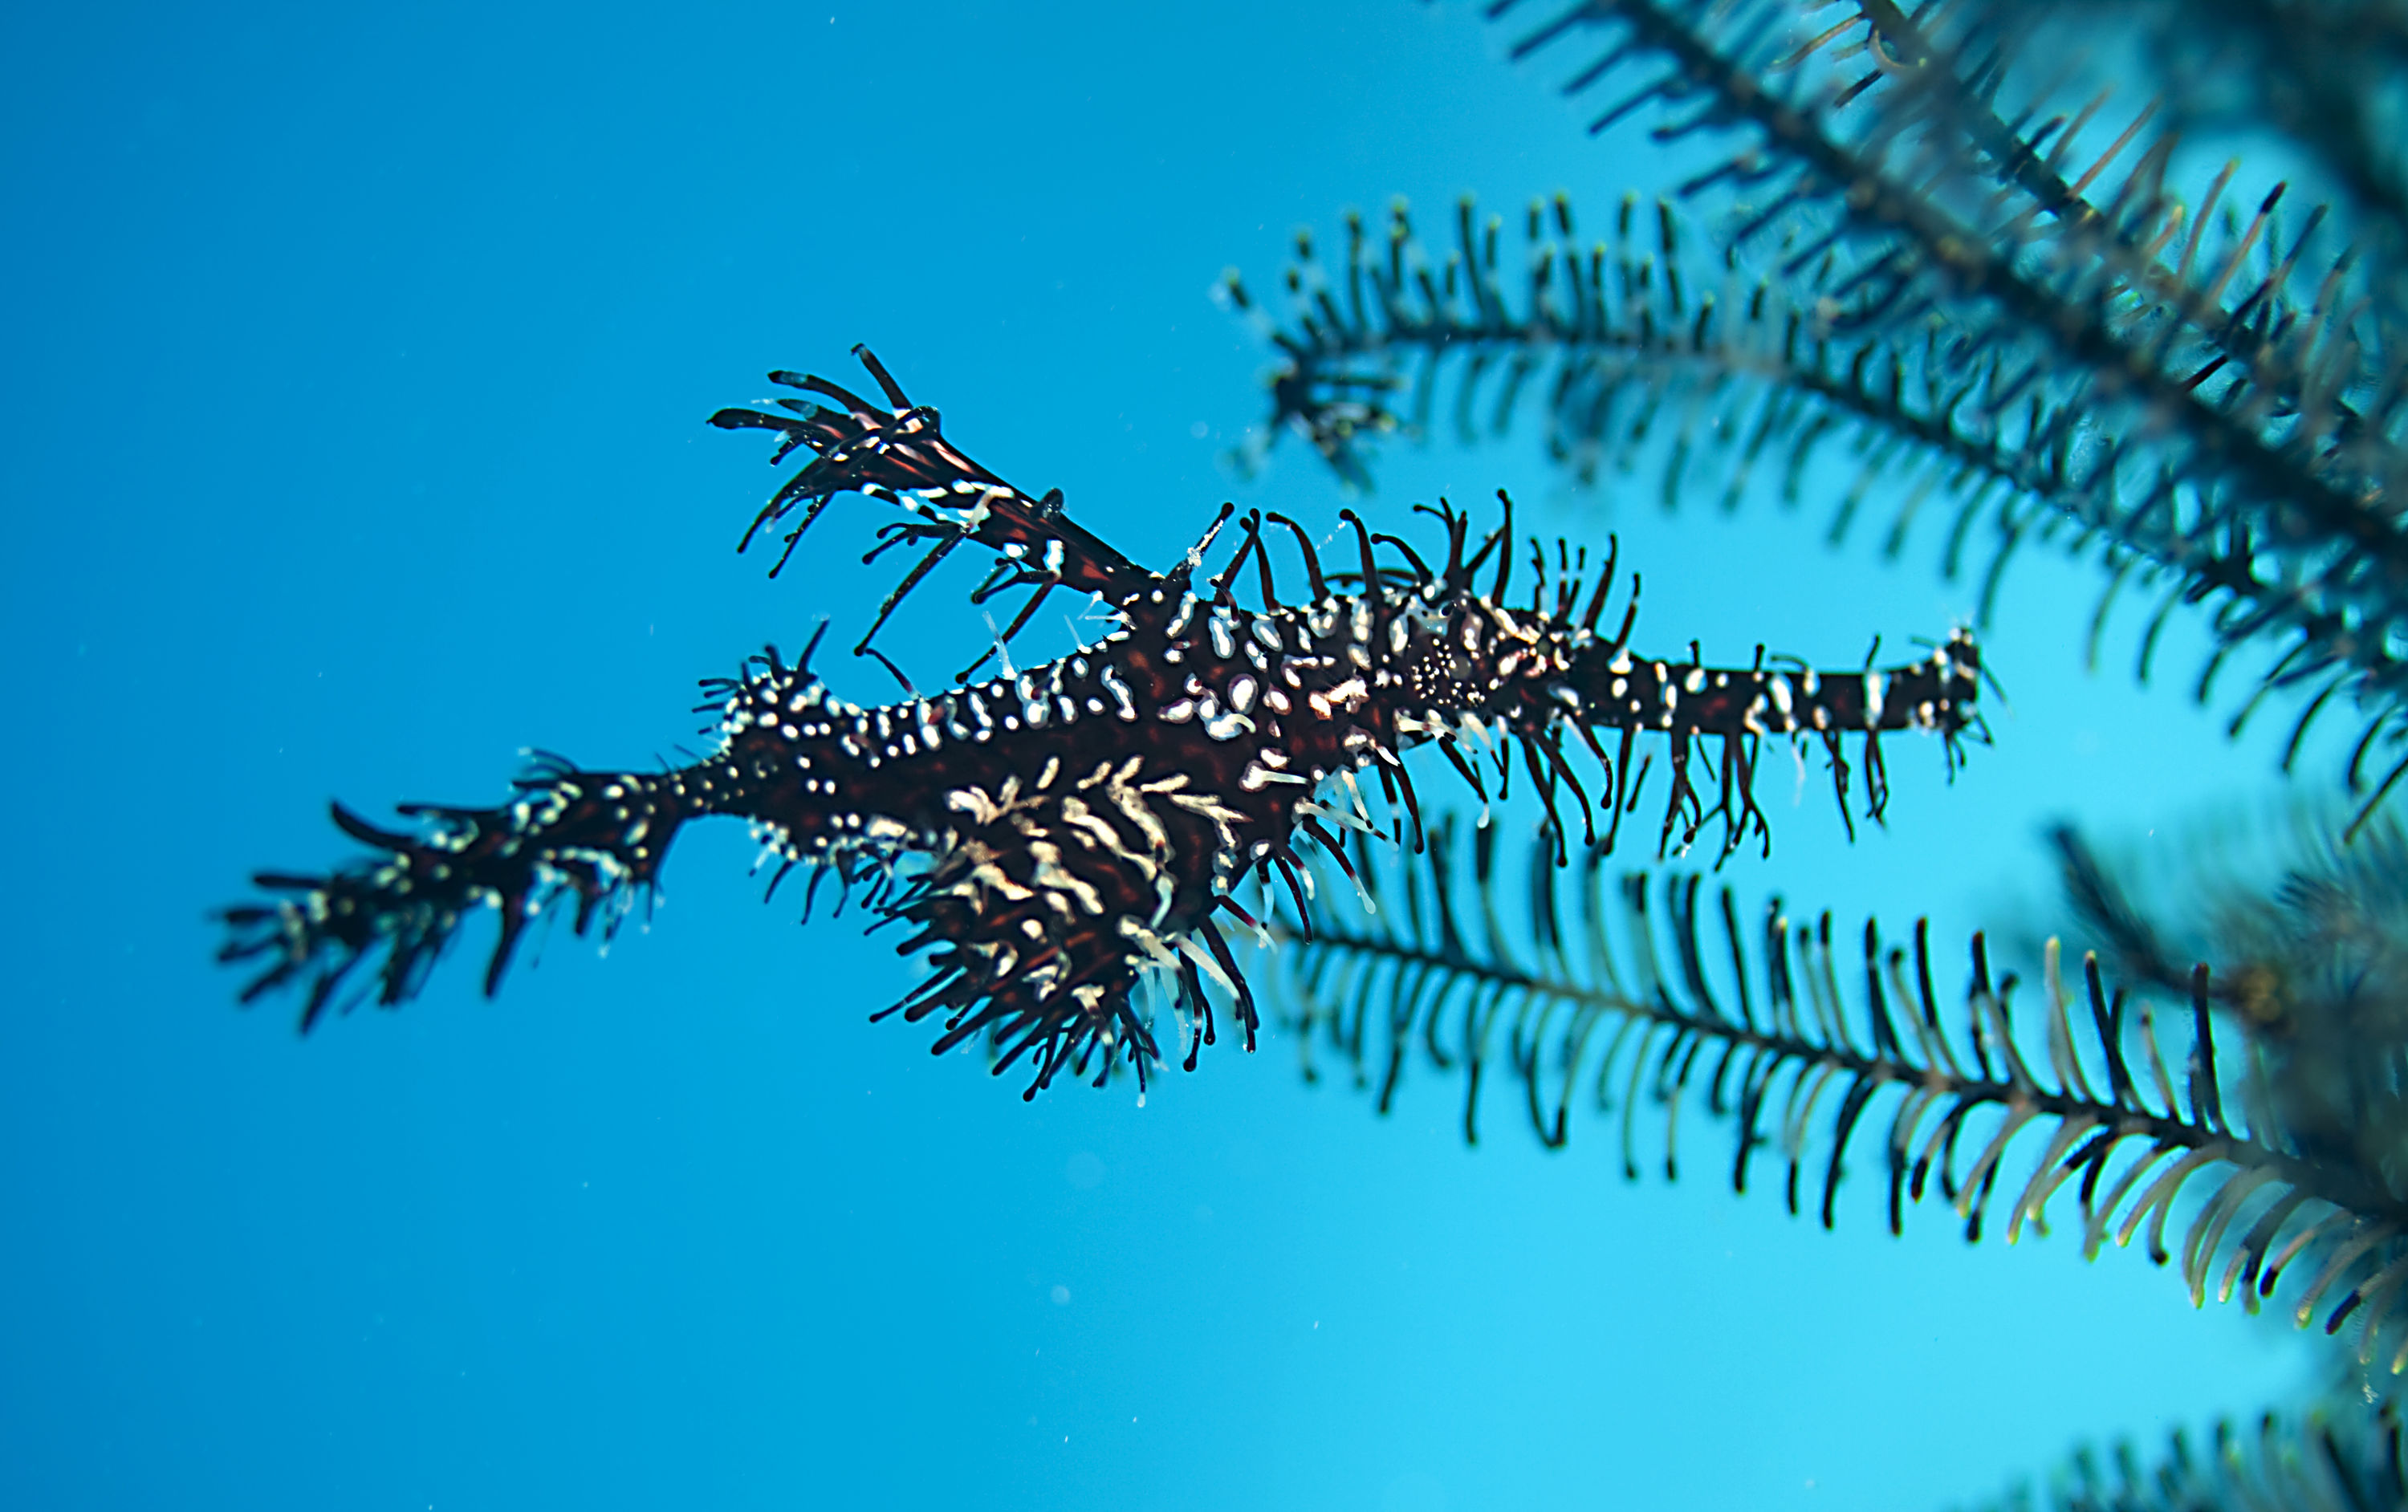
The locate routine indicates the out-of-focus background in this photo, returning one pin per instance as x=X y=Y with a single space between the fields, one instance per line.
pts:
x=357 y=362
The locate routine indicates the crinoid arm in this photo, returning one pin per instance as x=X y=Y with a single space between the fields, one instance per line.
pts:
x=1055 y=838
x=2345 y=1452
x=1991 y=298
x=1643 y=1001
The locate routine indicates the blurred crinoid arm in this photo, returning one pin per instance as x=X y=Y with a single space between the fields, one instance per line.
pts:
x=2307 y=941
x=1927 y=244
x=2345 y=1453
x=1636 y=1001
x=1617 y=341
x=2322 y=76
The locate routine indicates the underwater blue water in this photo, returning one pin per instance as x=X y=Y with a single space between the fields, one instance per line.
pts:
x=357 y=361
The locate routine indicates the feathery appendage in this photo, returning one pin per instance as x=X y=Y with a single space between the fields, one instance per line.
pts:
x=1638 y=338
x=1056 y=836
x=2000 y=299
x=2307 y=943
x=2344 y=1454
x=2320 y=75
x=1626 y=1000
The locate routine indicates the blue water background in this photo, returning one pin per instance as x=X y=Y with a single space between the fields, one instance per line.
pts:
x=357 y=361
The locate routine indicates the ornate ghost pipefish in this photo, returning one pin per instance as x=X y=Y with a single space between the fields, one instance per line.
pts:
x=1081 y=825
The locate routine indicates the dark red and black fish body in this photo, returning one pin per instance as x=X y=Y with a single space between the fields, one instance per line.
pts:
x=1055 y=837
